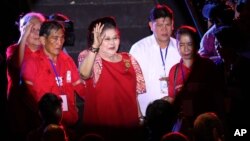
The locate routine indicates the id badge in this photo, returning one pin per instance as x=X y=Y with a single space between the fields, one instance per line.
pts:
x=64 y=103
x=163 y=84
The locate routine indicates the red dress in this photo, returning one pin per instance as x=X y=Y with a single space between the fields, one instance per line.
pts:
x=112 y=101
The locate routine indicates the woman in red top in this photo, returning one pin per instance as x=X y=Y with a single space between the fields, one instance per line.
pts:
x=28 y=44
x=194 y=82
x=29 y=26
x=113 y=79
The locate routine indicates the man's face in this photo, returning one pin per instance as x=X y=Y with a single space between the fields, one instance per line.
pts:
x=162 y=28
x=54 y=42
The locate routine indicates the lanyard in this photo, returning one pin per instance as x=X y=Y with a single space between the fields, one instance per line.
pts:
x=163 y=59
x=54 y=69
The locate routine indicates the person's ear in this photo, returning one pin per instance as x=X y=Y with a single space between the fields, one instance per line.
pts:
x=150 y=24
x=42 y=40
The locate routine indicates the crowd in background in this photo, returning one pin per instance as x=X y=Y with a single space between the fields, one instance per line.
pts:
x=169 y=86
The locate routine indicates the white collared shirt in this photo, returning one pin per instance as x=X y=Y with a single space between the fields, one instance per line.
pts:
x=147 y=52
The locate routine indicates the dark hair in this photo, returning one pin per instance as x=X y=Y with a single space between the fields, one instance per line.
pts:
x=161 y=115
x=48 y=105
x=68 y=25
x=160 y=11
x=108 y=22
x=191 y=31
x=174 y=136
x=230 y=37
x=54 y=132
x=48 y=25
x=204 y=125
x=221 y=14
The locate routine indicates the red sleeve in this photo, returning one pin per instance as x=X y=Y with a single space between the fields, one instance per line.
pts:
x=12 y=57
x=80 y=87
x=28 y=73
x=171 y=82
x=29 y=70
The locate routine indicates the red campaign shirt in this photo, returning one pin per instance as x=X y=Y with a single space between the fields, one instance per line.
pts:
x=181 y=74
x=38 y=70
x=112 y=102
x=13 y=70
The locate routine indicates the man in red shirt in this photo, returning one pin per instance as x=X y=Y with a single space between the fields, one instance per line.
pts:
x=51 y=70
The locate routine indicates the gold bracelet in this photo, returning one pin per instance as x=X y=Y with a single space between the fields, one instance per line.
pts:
x=94 y=50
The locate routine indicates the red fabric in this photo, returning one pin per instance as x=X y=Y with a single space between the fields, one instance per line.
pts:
x=174 y=88
x=13 y=69
x=39 y=71
x=15 y=105
x=112 y=102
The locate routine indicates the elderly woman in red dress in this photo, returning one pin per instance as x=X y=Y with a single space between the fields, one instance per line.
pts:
x=113 y=79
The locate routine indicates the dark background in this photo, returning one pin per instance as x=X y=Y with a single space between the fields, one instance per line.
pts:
x=131 y=16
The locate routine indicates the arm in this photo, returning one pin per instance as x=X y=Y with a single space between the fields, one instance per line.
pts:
x=28 y=75
x=85 y=67
x=25 y=31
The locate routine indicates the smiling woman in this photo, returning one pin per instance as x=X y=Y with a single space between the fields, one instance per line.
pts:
x=103 y=71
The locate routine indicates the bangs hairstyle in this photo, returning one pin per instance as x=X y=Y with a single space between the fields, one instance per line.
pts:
x=160 y=11
x=190 y=31
x=48 y=26
x=108 y=22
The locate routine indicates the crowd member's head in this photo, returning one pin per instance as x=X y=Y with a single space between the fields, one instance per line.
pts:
x=52 y=37
x=187 y=41
x=92 y=137
x=50 y=108
x=35 y=20
x=160 y=117
x=229 y=42
x=221 y=14
x=174 y=136
x=110 y=34
x=208 y=127
x=54 y=132
x=161 y=22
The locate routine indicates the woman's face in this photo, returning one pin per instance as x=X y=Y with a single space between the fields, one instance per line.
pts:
x=111 y=42
x=33 y=38
x=185 y=46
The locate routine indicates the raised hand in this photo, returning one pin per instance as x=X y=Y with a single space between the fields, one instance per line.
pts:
x=98 y=37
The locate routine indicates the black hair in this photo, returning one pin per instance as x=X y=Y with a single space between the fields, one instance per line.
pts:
x=108 y=22
x=161 y=115
x=68 y=25
x=221 y=14
x=229 y=37
x=191 y=31
x=48 y=105
x=160 y=11
x=48 y=25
